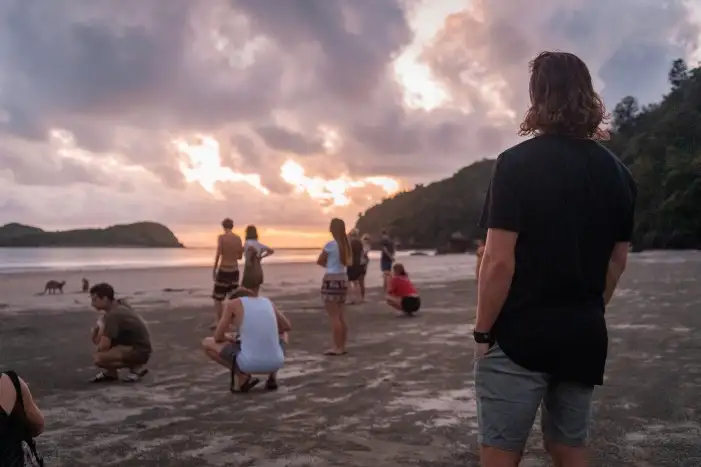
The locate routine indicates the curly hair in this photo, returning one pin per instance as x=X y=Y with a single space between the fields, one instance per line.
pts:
x=563 y=100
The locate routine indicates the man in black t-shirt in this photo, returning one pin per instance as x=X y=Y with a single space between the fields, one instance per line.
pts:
x=559 y=214
x=387 y=258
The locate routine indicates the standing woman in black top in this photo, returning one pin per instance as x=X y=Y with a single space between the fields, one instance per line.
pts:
x=559 y=214
x=20 y=419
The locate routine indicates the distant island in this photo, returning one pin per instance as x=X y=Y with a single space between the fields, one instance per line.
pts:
x=139 y=234
x=660 y=143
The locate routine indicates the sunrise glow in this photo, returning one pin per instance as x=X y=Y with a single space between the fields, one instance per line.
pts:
x=202 y=164
x=333 y=192
x=421 y=89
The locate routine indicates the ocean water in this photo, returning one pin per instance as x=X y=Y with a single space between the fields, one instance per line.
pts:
x=18 y=260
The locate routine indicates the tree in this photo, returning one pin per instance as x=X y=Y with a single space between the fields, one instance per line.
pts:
x=678 y=73
x=625 y=112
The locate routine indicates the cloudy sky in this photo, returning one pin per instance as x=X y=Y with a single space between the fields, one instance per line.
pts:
x=284 y=113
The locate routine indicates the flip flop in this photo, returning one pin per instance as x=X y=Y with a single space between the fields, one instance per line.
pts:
x=333 y=353
x=250 y=383
x=135 y=376
x=103 y=377
x=271 y=385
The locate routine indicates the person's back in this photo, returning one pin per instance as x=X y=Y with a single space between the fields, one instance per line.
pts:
x=20 y=421
x=333 y=263
x=357 y=251
x=125 y=327
x=559 y=219
x=577 y=197
x=11 y=452
x=261 y=351
x=231 y=249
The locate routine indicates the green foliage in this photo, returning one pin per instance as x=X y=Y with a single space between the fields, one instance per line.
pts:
x=140 y=234
x=428 y=216
x=660 y=143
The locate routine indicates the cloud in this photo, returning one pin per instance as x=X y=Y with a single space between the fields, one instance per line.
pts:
x=314 y=82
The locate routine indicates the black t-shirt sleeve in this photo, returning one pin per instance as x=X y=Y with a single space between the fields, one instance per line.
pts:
x=502 y=207
x=625 y=233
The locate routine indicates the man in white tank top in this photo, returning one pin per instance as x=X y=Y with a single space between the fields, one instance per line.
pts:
x=259 y=348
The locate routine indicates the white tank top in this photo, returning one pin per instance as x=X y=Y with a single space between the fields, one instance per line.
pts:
x=261 y=351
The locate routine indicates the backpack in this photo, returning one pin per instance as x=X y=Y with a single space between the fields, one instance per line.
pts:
x=31 y=456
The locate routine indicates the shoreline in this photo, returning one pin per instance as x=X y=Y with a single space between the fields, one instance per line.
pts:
x=192 y=285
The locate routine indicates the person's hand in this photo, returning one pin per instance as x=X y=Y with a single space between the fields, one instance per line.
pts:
x=480 y=350
x=229 y=336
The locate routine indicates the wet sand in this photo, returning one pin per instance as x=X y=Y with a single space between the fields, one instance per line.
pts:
x=403 y=396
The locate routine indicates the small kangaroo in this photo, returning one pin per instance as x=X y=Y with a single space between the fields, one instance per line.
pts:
x=86 y=285
x=53 y=286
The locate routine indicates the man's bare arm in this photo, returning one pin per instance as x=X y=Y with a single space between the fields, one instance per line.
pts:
x=496 y=272
x=240 y=245
x=105 y=343
x=283 y=324
x=231 y=309
x=617 y=264
x=31 y=411
x=217 y=256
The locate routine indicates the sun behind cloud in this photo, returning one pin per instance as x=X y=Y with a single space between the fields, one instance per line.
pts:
x=202 y=164
x=331 y=192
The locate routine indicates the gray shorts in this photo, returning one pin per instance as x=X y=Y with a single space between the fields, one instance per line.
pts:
x=232 y=349
x=508 y=397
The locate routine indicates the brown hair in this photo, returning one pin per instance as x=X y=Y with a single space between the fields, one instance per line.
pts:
x=251 y=233
x=399 y=270
x=338 y=230
x=227 y=224
x=563 y=100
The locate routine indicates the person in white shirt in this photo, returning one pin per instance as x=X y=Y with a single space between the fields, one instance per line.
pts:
x=259 y=347
x=254 y=252
x=335 y=258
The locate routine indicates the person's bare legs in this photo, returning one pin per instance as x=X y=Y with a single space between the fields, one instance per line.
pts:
x=387 y=277
x=351 y=292
x=218 y=310
x=394 y=302
x=334 y=311
x=566 y=456
x=361 y=284
x=213 y=350
x=109 y=361
x=344 y=326
x=493 y=457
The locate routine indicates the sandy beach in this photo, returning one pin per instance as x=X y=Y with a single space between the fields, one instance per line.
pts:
x=403 y=396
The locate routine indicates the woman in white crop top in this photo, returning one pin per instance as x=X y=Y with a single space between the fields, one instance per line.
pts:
x=335 y=258
x=253 y=252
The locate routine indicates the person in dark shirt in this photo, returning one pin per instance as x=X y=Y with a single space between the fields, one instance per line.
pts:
x=386 y=259
x=559 y=214
x=356 y=270
x=122 y=337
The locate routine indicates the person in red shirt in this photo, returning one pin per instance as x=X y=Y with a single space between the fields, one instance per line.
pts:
x=401 y=294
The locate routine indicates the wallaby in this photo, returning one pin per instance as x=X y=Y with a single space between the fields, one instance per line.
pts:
x=52 y=286
x=86 y=285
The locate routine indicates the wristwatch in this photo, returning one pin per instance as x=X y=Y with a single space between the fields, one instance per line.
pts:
x=483 y=337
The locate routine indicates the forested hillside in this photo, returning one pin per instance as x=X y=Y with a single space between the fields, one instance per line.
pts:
x=660 y=143
x=139 y=234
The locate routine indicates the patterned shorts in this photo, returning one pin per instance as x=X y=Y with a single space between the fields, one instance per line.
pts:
x=226 y=283
x=334 y=288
